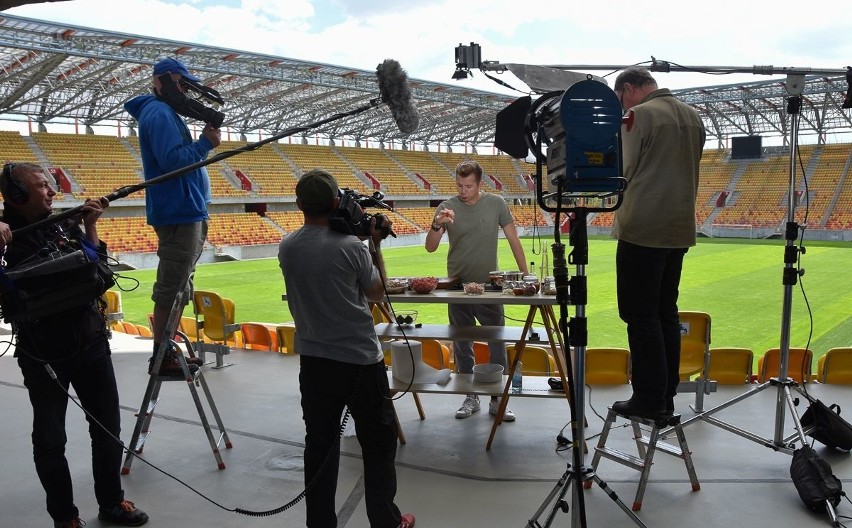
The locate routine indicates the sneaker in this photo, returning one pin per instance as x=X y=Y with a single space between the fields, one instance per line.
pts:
x=406 y=521
x=73 y=523
x=508 y=416
x=470 y=406
x=124 y=513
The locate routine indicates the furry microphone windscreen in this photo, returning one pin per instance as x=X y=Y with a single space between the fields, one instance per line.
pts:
x=393 y=85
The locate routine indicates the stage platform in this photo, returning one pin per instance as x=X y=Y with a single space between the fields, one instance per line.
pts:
x=446 y=476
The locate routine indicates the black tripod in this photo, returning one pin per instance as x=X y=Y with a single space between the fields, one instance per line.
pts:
x=575 y=335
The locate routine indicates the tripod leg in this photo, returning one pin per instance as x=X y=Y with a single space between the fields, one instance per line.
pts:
x=612 y=495
x=558 y=492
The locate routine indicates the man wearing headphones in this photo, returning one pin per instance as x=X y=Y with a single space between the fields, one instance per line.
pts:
x=177 y=208
x=331 y=278
x=68 y=348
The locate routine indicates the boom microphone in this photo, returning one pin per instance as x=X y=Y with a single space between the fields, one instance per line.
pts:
x=393 y=85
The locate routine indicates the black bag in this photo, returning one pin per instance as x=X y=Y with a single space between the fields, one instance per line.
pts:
x=813 y=480
x=826 y=426
x=52 y=282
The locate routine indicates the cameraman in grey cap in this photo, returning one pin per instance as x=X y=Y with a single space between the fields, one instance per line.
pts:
x=331 y=278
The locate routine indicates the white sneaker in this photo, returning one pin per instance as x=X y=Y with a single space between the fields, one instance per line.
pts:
x=470 y=406
x=508 y=416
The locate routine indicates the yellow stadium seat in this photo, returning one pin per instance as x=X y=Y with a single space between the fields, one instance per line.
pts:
x=694 y=343
x=607 y=366
x=286 y=338
x=836 y=366
x=798 y=363
x=536 y=360
x=730 y=365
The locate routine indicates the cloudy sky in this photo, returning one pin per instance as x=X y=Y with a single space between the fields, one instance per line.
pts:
x=422 y=34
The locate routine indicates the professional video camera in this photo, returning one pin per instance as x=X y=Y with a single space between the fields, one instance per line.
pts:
x=351 y=219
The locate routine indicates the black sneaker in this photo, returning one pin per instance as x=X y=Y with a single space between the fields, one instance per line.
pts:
x=124 y=513
x=631 y=407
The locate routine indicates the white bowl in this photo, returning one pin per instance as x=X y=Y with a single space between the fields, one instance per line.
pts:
x=487 y=373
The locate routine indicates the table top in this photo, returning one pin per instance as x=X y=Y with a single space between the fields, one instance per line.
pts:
x=460 y=297
x=533 y=386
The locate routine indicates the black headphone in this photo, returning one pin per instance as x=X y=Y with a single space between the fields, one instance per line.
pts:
x=13 y=189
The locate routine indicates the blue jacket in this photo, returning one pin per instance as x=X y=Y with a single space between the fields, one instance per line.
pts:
x=166 y=145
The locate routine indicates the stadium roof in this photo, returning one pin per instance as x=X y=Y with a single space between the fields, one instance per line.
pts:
x=54 y=72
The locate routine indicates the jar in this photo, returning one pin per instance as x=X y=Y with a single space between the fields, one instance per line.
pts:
x=532 y=280
x=549 y=287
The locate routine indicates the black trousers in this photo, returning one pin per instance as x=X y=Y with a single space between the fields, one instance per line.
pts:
x=648 y=281
x=89 y=371
x=327 y=386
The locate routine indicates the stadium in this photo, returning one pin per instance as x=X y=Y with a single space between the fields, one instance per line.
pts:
x=63 y=88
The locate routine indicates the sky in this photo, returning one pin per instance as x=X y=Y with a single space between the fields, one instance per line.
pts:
x=423 y=34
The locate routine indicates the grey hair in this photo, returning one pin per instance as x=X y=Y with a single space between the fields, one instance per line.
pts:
x=634 y=75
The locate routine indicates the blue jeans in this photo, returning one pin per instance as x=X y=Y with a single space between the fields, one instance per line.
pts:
x=648 y=280
x=91 y=374
x=327 y=386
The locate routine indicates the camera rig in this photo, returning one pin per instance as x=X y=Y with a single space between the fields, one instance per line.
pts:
x=351 y=219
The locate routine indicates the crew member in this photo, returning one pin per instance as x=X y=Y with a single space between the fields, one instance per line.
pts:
x=177 y=208
x=69 y=348
x=330 y=279
x=655 y=226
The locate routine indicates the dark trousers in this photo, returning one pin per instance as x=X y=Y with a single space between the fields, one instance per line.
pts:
x=91 y=374
x=327 y=386
x=648 y=280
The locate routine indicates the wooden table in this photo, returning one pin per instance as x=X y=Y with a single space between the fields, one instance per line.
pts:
x=542 y=304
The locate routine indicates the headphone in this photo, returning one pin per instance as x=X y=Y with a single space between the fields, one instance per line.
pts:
x=13 y=189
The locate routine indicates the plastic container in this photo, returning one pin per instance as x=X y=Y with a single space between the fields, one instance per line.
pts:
x=518 y=378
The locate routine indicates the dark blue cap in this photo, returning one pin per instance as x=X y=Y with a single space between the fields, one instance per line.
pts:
x=173 y=66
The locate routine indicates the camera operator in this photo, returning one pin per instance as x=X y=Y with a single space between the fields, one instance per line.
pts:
x=177 y=208
x=330 y=279
x=69 y=348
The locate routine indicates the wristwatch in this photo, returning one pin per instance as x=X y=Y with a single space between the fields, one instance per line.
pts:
x=436 y=226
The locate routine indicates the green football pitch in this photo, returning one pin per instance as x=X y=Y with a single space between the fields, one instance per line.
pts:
x=739 y=283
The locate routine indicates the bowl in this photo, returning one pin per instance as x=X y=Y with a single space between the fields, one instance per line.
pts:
x=423 y=284
x=473 y=288
x=395 y=286
x=405 y=317
x=487 y=373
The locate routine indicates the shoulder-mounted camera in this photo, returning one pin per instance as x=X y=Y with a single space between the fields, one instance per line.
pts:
x=351 y=219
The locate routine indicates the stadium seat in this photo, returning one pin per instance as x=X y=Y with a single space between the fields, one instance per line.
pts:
x=694 y=343
x=435 y=354
x=730 y=365
x=607 y=366
x=286 y=338
x=256 y=336
x=215 y=316
x=536 y=360
x=836 y=366
x=798 y=364
x=113 y=302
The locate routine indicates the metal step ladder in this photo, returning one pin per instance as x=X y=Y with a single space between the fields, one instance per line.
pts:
x=192 y=380
x=647 y=445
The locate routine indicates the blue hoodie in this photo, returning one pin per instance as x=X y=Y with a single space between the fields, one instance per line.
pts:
x=166 y=145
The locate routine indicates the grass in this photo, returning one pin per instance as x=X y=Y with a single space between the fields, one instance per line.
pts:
x=739 y=283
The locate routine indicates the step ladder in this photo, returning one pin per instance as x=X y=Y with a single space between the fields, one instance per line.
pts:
x=647 y=445
x=151 y=398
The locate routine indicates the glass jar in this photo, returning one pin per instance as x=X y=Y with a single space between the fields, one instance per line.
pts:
x=532 y=280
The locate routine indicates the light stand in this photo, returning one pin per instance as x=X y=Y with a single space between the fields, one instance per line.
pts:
x=584 y=163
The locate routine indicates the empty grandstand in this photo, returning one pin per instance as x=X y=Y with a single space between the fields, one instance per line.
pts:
x=253 y=202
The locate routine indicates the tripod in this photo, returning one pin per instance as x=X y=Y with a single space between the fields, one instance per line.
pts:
x=575 y=335
x=783 y=384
